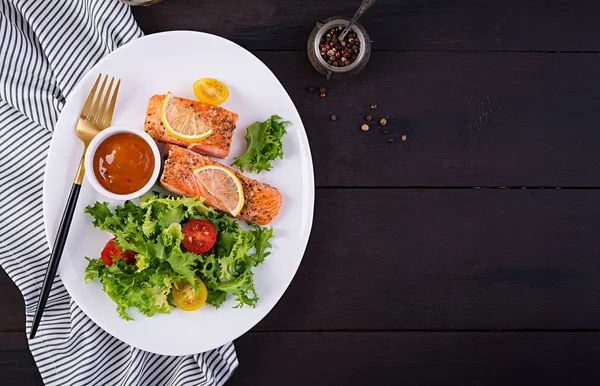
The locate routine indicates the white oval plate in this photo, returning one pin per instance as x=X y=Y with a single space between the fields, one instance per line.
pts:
x=156 y=64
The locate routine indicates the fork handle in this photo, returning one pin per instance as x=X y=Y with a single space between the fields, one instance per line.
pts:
x=59 y=245
x=81 y=170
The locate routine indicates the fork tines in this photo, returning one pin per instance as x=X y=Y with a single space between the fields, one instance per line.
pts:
x=92 y=111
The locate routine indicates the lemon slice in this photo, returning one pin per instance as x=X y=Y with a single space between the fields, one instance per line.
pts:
x=211 y=91
x=223 y=184
x=181 y=120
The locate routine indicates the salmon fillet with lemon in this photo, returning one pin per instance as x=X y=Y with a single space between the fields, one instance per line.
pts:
x=188 y=115
x=190 y=174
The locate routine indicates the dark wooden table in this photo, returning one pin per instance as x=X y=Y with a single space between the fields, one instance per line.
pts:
x=466 y=255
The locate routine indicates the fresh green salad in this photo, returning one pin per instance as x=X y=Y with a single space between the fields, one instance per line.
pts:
x=175 y=251
x=264 y=145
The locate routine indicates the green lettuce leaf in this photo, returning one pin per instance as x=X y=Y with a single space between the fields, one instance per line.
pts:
x=261 y=237
x=265 y=143
x=153 y=229
x=147 y=290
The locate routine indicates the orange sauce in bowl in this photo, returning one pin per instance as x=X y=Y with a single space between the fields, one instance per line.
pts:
x=123 y=163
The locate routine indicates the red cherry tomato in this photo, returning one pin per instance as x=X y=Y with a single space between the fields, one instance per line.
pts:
x=111 y=250
x=198 y=236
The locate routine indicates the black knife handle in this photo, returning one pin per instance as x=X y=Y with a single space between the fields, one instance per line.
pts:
x=59 y=245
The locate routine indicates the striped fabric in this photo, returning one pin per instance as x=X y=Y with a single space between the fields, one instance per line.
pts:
x=45 y=48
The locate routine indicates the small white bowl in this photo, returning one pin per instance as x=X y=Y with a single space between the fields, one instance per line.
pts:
x=89 y=161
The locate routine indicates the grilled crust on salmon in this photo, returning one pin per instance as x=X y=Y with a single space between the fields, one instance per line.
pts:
x=220 y=120
x=262 y=201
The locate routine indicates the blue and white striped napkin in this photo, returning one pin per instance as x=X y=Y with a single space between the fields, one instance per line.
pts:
x=45 y=48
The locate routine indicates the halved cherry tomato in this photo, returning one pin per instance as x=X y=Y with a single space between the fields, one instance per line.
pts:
x=111 y=250
x=198 y=236
x=186 y=298
x=211 y=91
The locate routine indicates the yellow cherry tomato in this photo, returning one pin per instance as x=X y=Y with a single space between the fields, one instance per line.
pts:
x=186 y=298
x=211 y=91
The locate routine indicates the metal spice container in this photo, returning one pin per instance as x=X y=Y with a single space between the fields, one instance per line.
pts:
x=321 y=65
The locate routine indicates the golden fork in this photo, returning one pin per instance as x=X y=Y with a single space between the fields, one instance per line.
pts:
x=94 y=118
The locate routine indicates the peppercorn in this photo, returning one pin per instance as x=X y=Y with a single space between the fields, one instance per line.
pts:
x=333 y=117
x=383 y=121
x=373 y=106
x=368 y=118
x=390 y=140
x=364 y=127
x=384 y=131
x=323 y=95
x=335 y=48
x=322 y=89
x=403 y=138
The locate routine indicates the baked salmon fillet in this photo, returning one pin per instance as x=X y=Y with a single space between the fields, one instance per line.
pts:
x=220 y=120
x=261 y=201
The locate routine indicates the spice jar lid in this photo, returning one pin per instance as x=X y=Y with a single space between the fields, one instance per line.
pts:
x=317 y=59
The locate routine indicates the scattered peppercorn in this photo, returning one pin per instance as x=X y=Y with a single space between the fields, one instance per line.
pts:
x=364 y=127
x=332 y=48
x=384 y=131
x=404 y=138
x=333 y=117
x=390 y=140
x=383 y=121
x=368 y=118
x=373 y=106
x=323 y=95
x=323 y=89
x=310 y=89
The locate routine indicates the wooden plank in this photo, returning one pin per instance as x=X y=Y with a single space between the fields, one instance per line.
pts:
x=16 y=363
x=555 y=358
x=12 y=306
x=471 y=119
x=408 y=25
x=447 y=259
x=382 y=259
x=417 y=359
